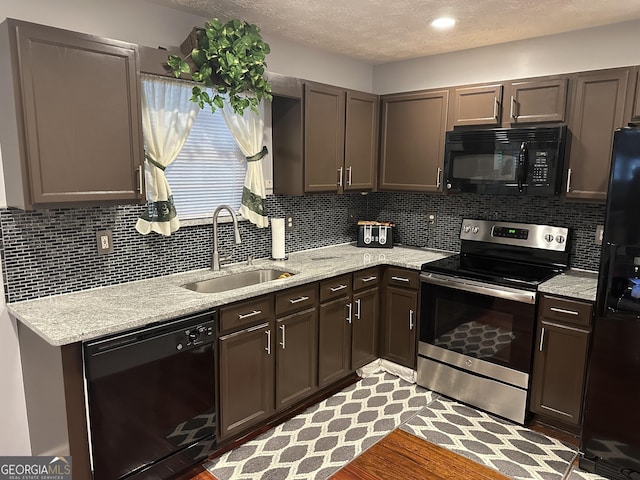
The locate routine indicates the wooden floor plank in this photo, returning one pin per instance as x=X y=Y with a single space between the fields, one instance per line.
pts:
x=403 y=456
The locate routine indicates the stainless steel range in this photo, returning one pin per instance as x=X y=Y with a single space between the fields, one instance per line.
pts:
x=478 y=313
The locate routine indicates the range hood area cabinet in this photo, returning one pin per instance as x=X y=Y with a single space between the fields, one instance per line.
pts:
x=517 y=102
x=70 y=118
x=412 y=141
x=325 y=138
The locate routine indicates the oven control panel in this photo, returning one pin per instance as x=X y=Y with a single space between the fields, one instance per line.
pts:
x=545 y=237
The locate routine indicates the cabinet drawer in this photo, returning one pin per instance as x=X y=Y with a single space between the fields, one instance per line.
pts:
x=564 y=310
x=401 y=277
x=335 y=287
x=366 y=279
x=243 y=314
x=296 y=299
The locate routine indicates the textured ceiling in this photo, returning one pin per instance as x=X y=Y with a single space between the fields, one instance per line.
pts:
x=380 y=31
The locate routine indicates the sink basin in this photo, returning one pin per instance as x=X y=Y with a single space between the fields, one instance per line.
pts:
x=235 y=280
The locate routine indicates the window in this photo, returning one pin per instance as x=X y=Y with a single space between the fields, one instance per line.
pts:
x=209 y=171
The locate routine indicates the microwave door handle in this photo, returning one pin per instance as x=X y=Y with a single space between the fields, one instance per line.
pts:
x=522 y=166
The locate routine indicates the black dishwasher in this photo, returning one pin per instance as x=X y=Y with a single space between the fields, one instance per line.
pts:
x=151 y=399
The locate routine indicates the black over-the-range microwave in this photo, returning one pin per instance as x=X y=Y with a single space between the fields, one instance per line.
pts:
x=519 y=161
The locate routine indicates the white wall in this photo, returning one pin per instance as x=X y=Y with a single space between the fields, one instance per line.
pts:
x=14 y=433
x=147 y=24
x=589 y=49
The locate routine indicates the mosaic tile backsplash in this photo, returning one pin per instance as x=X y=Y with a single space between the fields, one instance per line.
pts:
x=54 y=251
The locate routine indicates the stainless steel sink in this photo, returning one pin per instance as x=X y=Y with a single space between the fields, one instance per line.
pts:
x=236 y=280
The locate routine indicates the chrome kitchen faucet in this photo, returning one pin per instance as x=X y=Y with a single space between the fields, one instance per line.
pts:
x=215 y=256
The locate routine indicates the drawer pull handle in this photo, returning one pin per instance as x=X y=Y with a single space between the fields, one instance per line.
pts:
x=562 y=310
x=400 y=279
x=569 y=181
x=338 y=288
x=358 y=307
x=410 y=319
x=282 y=343
x=438 y=177
x=349 y=309
x=340 y=177
x=495 y=107
x=541 y=339
x=293 y=301
x=247 y=315
x=368 y=279
x=513 y=108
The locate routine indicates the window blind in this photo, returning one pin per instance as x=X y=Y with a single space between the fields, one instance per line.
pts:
x=209 y=171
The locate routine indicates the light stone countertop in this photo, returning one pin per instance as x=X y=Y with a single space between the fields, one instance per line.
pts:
x=574 y=283
x=89 y=314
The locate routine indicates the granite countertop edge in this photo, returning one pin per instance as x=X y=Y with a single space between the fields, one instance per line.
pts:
x=94 y=313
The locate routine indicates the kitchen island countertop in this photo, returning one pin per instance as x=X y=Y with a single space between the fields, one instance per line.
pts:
x=89 y=314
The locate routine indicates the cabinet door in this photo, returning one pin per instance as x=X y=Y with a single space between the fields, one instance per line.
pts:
x=597 y=110
x=399 y=336
x=533 y=101
x=361 y=141
x=364 y=343
x=297 y=357
x=334 y=343
x=559 y=372
x=324 y=138
x=82 y=132
x=478 y=105
x=412 y=141
x=635 y=105
x=246 y=378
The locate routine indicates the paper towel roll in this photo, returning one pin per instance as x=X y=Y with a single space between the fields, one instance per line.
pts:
x=277 y=238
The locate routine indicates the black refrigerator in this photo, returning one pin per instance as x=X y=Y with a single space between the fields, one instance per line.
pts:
x=610 y=442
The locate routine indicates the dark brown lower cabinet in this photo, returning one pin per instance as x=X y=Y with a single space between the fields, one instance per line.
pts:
x=246 y=378
x=560 y=361
x=296 y=357
x=399 y=336
x=334 y=342
x=364 y=330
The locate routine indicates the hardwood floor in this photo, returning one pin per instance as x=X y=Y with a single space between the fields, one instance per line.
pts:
x=401 y=455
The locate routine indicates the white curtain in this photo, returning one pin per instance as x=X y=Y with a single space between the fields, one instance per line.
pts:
x=248 y=131
x=167 y=117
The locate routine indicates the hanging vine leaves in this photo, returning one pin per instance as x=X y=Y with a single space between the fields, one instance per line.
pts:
x=228 y=58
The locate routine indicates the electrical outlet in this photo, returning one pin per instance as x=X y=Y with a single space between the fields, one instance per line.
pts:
x=289 y=222
x=104 y=240
x=431 y=218
x=352 y=215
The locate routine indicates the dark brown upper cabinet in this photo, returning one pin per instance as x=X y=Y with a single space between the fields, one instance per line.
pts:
x=535 y=100
x=70 y=118
x=324 y=126
x=325 y=140
x=635 y=98
x=597 y=109
x=360 y=141
x=476 y=105
x=412 y=140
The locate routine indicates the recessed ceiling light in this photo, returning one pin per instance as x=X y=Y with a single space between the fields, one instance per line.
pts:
x=443 y=22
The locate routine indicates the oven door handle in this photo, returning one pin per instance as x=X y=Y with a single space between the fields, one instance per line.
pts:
x=522 y=296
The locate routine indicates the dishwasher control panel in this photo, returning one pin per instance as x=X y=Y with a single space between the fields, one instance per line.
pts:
x=196 y=335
